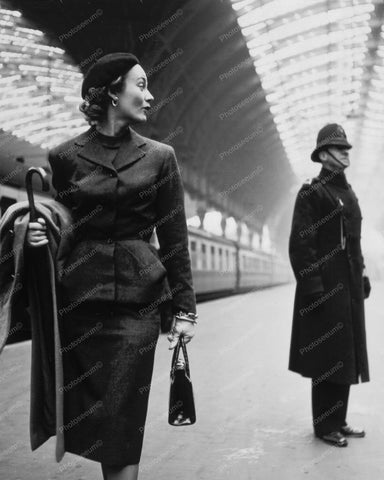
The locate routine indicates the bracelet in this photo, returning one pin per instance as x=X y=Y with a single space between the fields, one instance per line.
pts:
x=188 y=317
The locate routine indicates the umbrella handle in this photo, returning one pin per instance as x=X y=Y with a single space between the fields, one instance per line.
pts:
x=28 y=185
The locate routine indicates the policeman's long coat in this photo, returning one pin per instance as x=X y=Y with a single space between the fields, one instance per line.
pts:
x=116 y=208
x=328 y=333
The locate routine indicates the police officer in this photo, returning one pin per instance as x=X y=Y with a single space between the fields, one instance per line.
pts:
x=328 y=342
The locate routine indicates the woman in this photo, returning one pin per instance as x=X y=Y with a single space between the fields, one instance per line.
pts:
x=116 y=292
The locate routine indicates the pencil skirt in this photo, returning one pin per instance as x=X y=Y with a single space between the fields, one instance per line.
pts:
x=108 y=353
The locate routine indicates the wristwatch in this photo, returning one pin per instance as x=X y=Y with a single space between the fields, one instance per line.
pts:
x=188 y=317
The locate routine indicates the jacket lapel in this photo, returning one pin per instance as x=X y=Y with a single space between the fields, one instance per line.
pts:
x=129 y=152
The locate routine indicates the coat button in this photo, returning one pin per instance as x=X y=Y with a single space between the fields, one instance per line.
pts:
x=110 y=240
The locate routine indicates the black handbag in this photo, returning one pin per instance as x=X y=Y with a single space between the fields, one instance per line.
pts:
x=181 y=401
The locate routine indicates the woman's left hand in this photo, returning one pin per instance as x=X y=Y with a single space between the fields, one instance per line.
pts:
x=181 y=327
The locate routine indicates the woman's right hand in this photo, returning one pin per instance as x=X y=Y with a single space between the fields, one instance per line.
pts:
x=37 y=233
x=180 y=327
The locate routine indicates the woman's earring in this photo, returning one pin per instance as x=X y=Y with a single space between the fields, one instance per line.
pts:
x=114 y=102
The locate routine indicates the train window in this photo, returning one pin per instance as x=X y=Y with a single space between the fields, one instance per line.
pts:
x=220 y=259
x=268 y=266
x=265 y=266
x=193 y=255
x=204 y=256
x=213 y=257
x=227 y=260
x=233 y=260
x=5 y=202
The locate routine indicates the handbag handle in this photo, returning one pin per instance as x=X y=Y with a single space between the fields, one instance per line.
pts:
x=175 y=356
x=184 y=347
x=176 y=353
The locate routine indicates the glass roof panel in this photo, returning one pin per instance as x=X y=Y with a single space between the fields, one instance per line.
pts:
x=37 y=85
x=319 y=61
x=322 y=61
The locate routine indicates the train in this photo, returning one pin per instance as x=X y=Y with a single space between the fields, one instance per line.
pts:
x=224 y=266
x=220 y=266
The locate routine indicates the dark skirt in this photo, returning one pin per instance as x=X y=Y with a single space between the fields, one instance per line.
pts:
x=108 y=353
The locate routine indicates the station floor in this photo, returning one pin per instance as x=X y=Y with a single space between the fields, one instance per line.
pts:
x=253 y=415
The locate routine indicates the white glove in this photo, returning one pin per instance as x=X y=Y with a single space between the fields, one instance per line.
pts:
x=180 y=327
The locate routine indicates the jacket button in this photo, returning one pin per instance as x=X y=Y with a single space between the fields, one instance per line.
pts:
x=110 y=240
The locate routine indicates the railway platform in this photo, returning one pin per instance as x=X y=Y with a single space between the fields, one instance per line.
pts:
x=253 y=415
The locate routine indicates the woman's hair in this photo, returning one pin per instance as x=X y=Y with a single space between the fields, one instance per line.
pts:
x=96 y=101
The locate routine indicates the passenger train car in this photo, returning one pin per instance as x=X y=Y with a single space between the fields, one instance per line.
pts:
x=220 y=266
x=223 y=266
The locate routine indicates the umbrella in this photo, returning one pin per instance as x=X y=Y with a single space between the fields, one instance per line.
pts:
x=42 y=328
x=28 y=185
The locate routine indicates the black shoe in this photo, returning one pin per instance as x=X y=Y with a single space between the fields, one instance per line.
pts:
x=335 y=438
x=352 y=432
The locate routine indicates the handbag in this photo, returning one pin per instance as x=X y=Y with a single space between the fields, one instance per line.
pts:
x=181 y=401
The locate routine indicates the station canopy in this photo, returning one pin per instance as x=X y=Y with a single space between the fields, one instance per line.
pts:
x=241 y=87
x=319 y=62
x=209 y=103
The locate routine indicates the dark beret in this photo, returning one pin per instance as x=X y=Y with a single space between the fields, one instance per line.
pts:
x=106 y=69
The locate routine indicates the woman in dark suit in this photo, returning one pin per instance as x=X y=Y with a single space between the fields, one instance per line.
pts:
x=116 y=292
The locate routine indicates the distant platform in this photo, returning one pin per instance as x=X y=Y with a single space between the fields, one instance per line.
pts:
x=253 y=415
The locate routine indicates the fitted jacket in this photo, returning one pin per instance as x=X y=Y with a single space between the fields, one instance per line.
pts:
x=116 y=207
x=328 y=333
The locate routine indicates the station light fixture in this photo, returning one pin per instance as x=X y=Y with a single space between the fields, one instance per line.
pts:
x=39 y=85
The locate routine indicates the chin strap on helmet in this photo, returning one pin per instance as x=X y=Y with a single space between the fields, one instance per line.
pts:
x=338 y=161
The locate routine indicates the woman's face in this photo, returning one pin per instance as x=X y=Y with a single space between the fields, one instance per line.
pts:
x=134 y=100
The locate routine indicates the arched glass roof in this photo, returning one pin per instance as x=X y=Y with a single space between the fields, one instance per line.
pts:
x=38 y=84
x=321 y=61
